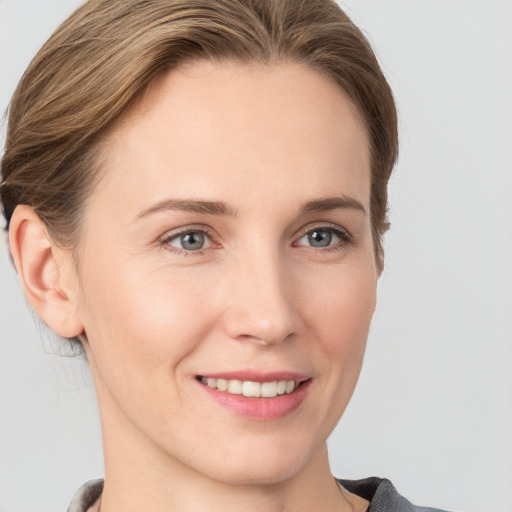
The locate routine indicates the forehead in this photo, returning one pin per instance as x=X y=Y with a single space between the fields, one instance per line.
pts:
x=220 y=127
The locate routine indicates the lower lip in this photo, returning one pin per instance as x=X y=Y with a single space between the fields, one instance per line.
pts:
x=264 y=409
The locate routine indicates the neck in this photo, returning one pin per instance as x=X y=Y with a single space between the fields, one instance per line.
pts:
x=157 y=483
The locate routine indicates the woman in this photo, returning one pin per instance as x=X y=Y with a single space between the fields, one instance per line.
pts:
x=196 y=194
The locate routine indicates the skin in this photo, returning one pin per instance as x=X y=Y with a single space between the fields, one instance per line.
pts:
x=263 y=141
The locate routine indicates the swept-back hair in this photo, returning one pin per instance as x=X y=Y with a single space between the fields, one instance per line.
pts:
x=108 y=52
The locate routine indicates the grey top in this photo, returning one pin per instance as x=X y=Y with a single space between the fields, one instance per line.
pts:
x=381 y=494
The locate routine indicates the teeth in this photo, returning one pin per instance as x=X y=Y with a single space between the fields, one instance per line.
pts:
x=222 y=385
x=235 y=387
x=281 y=387
x=290 y=386
x=269 y=389
x=251 y=389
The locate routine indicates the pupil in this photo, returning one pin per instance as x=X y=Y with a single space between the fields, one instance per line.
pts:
x=320 y=238
x=192 y=241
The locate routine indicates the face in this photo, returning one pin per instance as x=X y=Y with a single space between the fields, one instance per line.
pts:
x=228 y=250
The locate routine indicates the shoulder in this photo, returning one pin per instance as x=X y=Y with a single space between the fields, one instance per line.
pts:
x=382 y=495
x=86 y=497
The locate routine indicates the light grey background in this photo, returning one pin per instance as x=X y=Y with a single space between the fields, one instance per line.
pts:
x=433 y=409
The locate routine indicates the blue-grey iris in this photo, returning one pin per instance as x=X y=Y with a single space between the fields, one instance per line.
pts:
x=192 y=241
x=320 y=238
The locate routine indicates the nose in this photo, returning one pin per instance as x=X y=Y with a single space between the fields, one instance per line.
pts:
x=261 y=308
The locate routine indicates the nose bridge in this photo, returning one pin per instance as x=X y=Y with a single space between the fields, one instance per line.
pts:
x=262 y=309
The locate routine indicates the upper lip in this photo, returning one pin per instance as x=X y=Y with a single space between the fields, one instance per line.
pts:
x=258 y=376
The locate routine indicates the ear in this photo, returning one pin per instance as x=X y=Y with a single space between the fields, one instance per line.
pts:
x=46 y=271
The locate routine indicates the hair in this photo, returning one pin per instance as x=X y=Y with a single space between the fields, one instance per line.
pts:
x=107 y=53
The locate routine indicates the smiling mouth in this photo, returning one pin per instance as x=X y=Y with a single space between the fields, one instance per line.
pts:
x=251 y=389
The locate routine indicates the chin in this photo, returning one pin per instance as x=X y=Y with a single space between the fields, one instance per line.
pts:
x=264 y=474
x=266 y=465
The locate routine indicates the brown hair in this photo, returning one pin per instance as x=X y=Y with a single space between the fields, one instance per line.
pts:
x=107 y=53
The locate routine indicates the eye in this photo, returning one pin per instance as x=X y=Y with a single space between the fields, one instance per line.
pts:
x=324 y=237
x=191 y=240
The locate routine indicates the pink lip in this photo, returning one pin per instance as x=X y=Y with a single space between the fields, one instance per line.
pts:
x=263 y=409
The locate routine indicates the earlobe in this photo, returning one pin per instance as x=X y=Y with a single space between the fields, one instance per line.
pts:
x=46 y=272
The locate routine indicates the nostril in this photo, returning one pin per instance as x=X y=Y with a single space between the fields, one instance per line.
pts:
x=267 y=340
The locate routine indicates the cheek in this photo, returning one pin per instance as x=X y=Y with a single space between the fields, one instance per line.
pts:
x=138 y=319
x=339 y=317
x=341 y=310
x=141 y=331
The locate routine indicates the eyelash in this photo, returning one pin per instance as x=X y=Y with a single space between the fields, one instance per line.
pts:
x=345 y=239
x=166 y=241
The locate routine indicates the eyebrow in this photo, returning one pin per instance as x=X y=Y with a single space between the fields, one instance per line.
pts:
x=332 y=203
x=189 y=205
x=222 y=209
